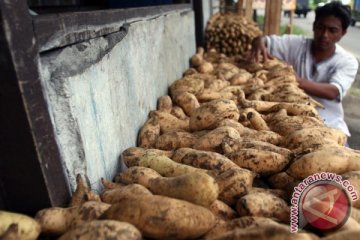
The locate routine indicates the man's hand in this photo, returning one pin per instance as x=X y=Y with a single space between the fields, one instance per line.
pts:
x=259 y=51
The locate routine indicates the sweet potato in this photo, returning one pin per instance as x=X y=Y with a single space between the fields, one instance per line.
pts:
x=179 y=113
x=203 y=159
x=260 y=161
x=167 y=167
x=354 y=178
x=308 y=137
x=336 y=159
x=162 y=217
x=164 y=104
x=267 y=232
x=198 y=58
x=131 y=155
x=222 y=211
x=56 y=220
x=263 y=205
x=198 y=188
x=103 y=229
x=240 y=223
x=114 y=195
x=186 y=84
x=23 y=226
x=255 y=118
x=212 y=140
x=187 y=101
x=169 y=122
x=209 y=114
x=233 y=145
x=233 y=184
x=135 y=174
x=149 y=132
x=174 y=140
x=280 y=180
x=350 y=234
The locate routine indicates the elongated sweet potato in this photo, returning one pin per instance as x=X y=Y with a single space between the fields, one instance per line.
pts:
x=213 y=139
x=56 y=220
x=103 y=229
x=162 y=217
x=112 y=196
x=203 y=159
x=167 y=167
x=169 y=122
x=131 y=155
x=136 y=174
x=240 y=223
x=260 y=161
x=335 y=159
x=233 y=145
x=198 y=188
x=174 y=140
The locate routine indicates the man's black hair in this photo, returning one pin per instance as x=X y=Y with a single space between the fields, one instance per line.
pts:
x=336 y=9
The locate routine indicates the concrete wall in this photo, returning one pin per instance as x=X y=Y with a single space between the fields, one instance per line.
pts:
x=100 y=91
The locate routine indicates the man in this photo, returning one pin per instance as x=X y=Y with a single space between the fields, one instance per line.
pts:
x=325 y=70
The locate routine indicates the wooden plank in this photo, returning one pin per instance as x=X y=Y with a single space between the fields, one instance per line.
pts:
x=272 y=17
x=31 y=173
x=249 y=9
x=62 y=29
x=239 y=7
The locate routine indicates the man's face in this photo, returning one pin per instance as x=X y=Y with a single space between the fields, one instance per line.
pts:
x=327 y=31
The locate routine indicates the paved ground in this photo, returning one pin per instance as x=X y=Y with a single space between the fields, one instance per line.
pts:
x=352 y=114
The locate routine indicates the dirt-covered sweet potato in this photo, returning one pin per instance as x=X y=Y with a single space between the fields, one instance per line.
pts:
x=260 y=204
x=239 y=223
x=169 y=122
x=335 y=159
x=162 y=217
x=57 y=220
x=233 y=145
x=167 y=167
x=131 y=155
x=103 y=229
x=209 y=114
x=187 y=101
x=136 y=174
x=174 y=140
x=213 y=139
x=198 y=188
x=222 y=211
x=114 y=195
x=203 y=159
x=149 y=132
x=260 y=161
x=233 y=184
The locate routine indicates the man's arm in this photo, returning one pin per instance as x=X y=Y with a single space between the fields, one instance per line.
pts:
x=323 y=90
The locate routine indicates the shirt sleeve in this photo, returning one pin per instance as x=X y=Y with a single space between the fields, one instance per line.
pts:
x=284 y=47
x=344 y=75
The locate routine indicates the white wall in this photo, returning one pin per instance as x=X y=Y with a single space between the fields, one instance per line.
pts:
x=100 y=93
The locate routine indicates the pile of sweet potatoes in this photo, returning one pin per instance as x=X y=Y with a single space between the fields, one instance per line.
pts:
x=217 y=159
